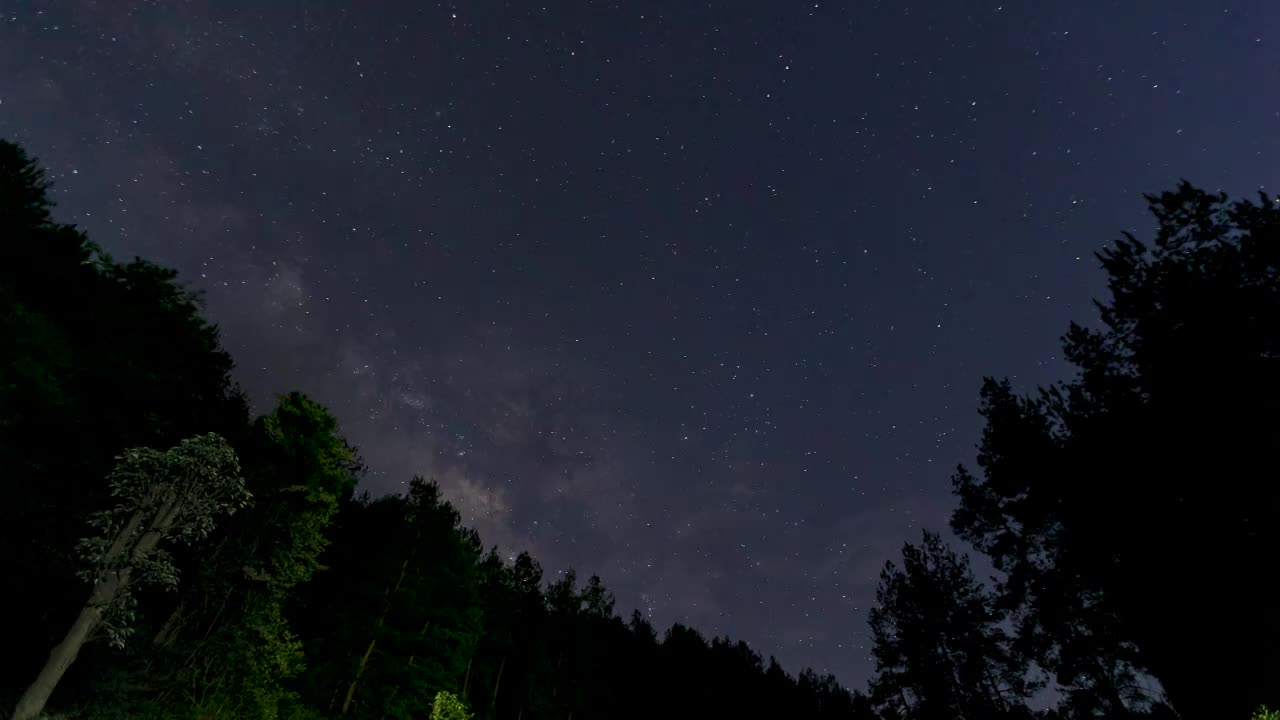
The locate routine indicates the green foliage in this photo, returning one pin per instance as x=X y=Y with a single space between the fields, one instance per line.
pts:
x=448 y=707
x=1264 y=713
x=200 y=478
x=233 y=639
x=179 y=492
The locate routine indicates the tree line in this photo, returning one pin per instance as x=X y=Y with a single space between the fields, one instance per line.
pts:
x=169 y=556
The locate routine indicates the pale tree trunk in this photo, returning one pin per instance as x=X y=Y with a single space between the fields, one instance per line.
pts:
x=364 y=663
x=64 y=653
x=421 y=636
x=173 y=625
x=169 y=630
x=497 y=683
x=555 y=684
x=373 y=642
x=105 y=592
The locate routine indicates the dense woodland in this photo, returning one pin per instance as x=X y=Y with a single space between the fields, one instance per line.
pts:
x=167 y=555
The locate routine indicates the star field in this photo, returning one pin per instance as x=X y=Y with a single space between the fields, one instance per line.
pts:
x=696 y=296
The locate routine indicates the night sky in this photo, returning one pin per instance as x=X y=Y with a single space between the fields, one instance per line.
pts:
x=695 y=296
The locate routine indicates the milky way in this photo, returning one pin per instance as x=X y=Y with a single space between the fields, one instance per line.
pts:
x=697 y=299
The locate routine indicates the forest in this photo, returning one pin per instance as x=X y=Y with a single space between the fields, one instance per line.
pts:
x=169 y=556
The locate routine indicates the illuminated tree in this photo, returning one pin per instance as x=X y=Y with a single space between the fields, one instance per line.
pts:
x=174 y=495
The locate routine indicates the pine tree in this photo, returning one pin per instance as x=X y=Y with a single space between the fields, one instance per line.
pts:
x=410 y=615
x=940 y=652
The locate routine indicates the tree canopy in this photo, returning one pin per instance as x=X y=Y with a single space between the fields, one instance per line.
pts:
x=1131 y=506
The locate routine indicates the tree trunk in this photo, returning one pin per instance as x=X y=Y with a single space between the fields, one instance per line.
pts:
x=1112 y=695
x=173 y=625
x=364 y=661
x=997 y=699
x=555 y=683
x=422 y=636
x=105 y=591
x=169 y=630
x=1103 y=680
x=466 y=680
x=60 y=658
x=493 y=700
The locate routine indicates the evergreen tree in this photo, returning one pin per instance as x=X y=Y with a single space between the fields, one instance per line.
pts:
x=410 y=614
x=507 y=670
x=940 y=653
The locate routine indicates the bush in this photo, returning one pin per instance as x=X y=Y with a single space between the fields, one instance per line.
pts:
x=448 y=707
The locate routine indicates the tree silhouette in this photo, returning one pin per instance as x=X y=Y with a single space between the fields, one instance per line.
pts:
x=395 y=617
x=1131 y=507
x=940 y=653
